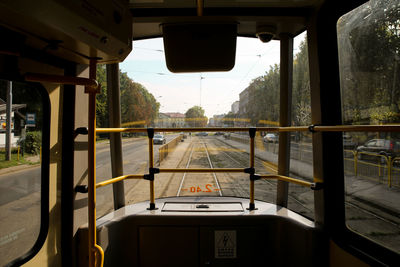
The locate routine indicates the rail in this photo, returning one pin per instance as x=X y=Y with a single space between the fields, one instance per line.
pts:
x=251 y=170
x=96 y=254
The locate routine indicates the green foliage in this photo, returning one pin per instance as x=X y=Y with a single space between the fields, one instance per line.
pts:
x=101 y=99
x=230 y=118
x=369 y=52
x=138 y=106
x=16 y=159
x=264 y=92
x=263 y=101
x=23 y=93
x=195 y=117
x=32 y=142
x=301 y=94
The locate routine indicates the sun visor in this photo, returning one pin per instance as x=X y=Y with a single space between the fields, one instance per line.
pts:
x=200 y=47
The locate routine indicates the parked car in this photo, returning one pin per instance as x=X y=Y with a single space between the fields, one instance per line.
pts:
x=159 y=139
x=202 y=134
x=383 y=147
x=348 y=142
x=270 y=138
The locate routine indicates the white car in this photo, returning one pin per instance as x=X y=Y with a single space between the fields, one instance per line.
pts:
x=159 y=139
x=270 y=138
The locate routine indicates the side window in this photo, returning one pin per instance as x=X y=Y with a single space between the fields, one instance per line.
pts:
x=369 y=57
x=23 y=182
x=301 y=199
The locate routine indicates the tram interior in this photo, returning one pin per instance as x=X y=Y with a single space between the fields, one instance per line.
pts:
x=68 y=39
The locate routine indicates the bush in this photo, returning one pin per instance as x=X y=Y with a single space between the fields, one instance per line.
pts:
x=32 y=142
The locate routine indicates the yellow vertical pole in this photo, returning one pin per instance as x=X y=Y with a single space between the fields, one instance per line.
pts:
x=18 y=153
x=355 y=162
x=151 y=163
x=200 y=6
x=95 y=252
x=151 y=166
x=252 y=132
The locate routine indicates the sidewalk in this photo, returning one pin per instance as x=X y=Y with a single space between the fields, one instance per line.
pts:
x=297 y=167
x=22 y=166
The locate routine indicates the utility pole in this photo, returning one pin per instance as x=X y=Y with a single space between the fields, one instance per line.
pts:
x=8 y=120
x=201 y=78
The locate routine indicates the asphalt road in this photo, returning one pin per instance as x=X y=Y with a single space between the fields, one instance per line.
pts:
x=135 y=155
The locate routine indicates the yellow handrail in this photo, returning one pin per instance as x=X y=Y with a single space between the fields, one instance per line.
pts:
x=312 y=128
x=202 y=170
x=253 y=176
x=286 y=179
x=119 y=178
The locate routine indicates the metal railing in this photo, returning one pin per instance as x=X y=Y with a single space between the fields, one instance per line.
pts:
x=250 y=170
x=96 y=254
x=384 y=163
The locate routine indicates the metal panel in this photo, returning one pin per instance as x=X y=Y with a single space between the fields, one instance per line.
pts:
x=203 y=207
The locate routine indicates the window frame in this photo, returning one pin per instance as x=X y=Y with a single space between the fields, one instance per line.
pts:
x=44 y=172
x=334 y=221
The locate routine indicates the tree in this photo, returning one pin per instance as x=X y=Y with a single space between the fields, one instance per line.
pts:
x=101 y=99
x=301 y=94
x=229 y=119
x=369 y=41
x=137 y=104
x=263 y=102
x=195 y=117
x=24 y=93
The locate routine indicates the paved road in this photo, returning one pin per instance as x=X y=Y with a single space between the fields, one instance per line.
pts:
x=135 y=161
x=20 y=195
x=19 y=212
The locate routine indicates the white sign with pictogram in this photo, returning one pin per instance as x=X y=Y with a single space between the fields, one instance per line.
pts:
x=225 y=244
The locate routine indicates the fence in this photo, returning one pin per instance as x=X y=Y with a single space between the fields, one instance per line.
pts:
x=168 y=148
x=380 y=168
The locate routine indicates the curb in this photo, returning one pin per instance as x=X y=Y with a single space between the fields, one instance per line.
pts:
x=18 y=168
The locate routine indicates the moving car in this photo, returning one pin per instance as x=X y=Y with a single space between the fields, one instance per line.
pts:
x=202 y=134
x=159 y=139
x=270 y=138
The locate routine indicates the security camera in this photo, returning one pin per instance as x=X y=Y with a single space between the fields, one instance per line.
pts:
x=265 y=33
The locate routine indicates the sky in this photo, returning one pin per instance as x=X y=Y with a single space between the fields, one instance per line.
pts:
x=213 y=91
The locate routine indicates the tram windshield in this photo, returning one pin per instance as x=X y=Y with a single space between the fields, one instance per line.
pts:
x=246 y=96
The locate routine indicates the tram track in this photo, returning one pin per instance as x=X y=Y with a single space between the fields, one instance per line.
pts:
x=188 y=183
x=266 y=185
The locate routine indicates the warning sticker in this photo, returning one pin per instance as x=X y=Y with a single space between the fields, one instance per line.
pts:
x=225 y=244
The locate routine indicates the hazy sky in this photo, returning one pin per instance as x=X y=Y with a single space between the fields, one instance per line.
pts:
x=216 y=91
